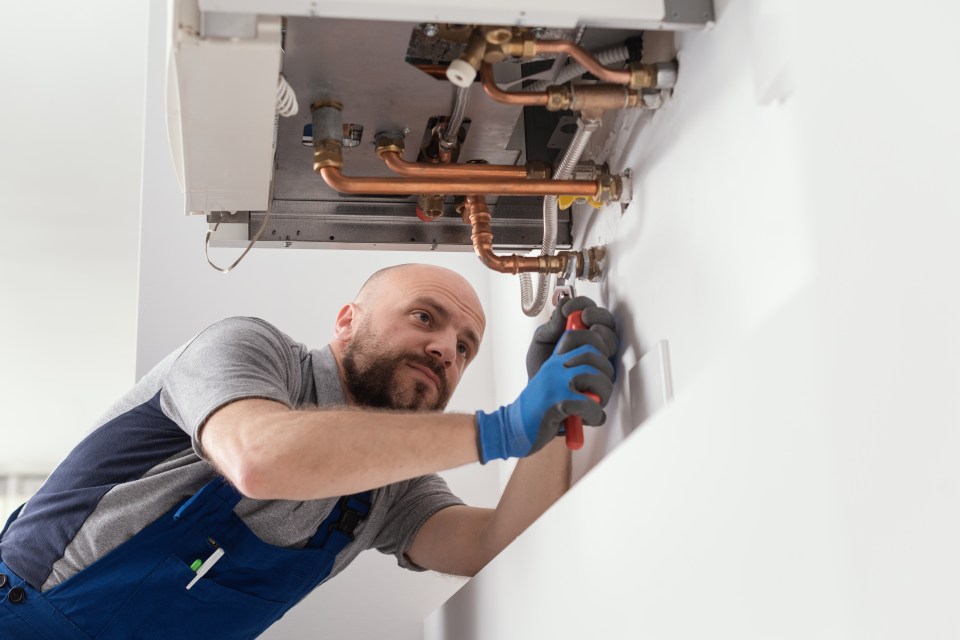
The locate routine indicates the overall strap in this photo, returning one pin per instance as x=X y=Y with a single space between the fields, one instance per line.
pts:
x=336 y=531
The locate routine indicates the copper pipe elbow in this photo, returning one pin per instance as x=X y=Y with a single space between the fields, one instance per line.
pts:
x=591 y=64
x=528 y=99
x=476 y=214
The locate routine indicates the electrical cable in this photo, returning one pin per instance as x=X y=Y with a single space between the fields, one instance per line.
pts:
x=206 y=245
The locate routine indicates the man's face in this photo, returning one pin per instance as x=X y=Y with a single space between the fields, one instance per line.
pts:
x=412 y=338
x=379 y=379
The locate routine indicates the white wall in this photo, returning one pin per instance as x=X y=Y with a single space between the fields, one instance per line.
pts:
x=71 y=121
x=300 y=291
x=793 y=237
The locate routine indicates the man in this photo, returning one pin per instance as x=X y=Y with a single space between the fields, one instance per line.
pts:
x=209 y=500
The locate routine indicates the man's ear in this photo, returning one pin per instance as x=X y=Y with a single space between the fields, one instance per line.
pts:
x=344 y=327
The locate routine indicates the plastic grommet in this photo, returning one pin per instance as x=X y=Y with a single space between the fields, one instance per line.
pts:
x=461 y=73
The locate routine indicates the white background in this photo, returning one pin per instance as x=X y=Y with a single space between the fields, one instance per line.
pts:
x=793 y=236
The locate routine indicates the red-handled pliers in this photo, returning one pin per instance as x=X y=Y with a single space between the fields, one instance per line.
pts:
x=574 y=424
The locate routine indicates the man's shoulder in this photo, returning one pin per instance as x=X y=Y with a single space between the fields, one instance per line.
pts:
x=249 y=330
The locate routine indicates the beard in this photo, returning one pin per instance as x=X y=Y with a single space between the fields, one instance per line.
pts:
x=375 y=379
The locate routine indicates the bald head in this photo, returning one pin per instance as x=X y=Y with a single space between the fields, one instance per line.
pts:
x=411 y=277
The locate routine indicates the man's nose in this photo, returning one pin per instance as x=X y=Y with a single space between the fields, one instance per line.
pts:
x=444 y=350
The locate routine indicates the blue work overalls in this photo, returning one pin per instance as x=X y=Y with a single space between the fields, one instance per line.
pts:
x=139 y=590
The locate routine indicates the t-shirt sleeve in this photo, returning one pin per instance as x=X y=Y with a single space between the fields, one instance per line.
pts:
x=233 y=359
x=421 y=498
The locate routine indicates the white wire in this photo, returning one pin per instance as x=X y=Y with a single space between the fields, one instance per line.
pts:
x=286 y=99
x=210 y=232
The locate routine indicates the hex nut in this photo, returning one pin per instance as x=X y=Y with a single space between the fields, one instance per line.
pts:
x=559 y=98
x=327 y=153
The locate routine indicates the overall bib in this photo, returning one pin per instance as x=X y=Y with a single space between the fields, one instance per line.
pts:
x=139 y=590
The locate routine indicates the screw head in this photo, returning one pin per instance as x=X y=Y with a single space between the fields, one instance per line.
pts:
x=429 y=29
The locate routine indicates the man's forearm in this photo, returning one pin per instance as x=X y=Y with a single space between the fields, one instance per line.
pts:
x=271 y=452
x=536 y=483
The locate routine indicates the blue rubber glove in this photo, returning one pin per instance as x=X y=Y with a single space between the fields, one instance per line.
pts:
x=554 y=393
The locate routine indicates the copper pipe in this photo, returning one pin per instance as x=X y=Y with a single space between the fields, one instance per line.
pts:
x=476 y=214
x=466 y=186
x=445 y=154
x=528 y=99
x=591 y=64
x=397 y=164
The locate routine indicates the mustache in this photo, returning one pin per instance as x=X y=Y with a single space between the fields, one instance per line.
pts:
x=429 y=363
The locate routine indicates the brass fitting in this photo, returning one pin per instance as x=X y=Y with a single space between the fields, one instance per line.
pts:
x=523 y=45
x=553 y=264
x=559 y=97
x=537 y=170
x=642 y=75
x=327 y=153
x=319 y=104
x=496 y=35
x=389 y=141
x=327 y=134
x=476 y=49
x=611 y=188
x=591 y=263
x=594 y=98
x=430 y=206
x=662 y=75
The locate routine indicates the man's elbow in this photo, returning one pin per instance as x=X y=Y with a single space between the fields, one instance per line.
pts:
x=254 y=481
x=238 y=442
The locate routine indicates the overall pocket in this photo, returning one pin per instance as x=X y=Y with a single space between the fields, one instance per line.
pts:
x=163 y=607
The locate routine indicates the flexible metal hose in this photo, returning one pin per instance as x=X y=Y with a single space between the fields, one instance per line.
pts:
x=606 y=57
x=531 y=302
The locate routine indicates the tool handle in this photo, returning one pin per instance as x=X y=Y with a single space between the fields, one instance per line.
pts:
x=574 y=424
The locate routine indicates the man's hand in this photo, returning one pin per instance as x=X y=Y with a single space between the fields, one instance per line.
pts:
x=554 y=393
x=600 y=334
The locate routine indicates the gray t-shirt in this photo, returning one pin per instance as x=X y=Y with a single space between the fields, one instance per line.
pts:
x=124 y=476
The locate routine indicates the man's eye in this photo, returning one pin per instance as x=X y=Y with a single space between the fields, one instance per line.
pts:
x=422 y=317
x=463 y=349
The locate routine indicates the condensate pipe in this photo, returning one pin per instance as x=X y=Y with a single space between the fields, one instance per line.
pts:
x=467 y=186
x=475 y=213
x=457 y=116
x=397 y=164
